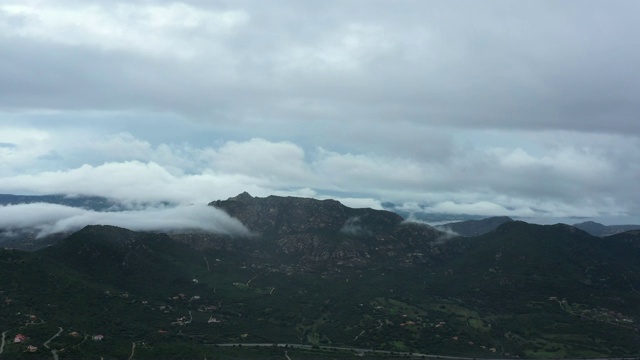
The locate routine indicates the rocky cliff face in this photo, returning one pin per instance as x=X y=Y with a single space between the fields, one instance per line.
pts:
x=316 y=234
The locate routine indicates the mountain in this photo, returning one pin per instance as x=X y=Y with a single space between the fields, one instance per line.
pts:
x=598 y=229
x=474 y=227
x=96 y=203
x=129 y=260
x=321 y=234
x=320 y=274
x=529 y=255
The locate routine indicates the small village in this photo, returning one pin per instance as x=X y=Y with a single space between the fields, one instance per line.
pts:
x=390 y=313
x=224 y=298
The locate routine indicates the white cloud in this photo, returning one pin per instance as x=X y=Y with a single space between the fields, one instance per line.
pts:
x=20 y=135
x=467 y=107
x=485 y=208
x=261 y=158
x=353 y=227
x=50 y=219
x=175 y=29
x=133 y=181
x=373 y=170
x=568 y=180
x=23 y=145
x=33 y=215
x=568 y=162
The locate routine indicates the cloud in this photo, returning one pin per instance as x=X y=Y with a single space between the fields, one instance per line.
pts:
x=481 y=107
x=158 y=30
x=353 y=202
x=343 y=50
x=49 y=219
x=132 y=181
x=478 y=208
x=372 y=169
x=262 y=158
x=569 y=180
x=479 y=66
x=353 y=227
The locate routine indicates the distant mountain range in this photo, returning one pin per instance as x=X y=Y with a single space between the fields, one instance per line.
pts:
x=474 y=227
x=598 y=229
x=321 y=274
x=96 y=203
x=478 y=227
x=26 y=238
x=422 y=214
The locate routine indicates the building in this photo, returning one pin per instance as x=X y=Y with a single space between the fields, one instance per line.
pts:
x=19 y=338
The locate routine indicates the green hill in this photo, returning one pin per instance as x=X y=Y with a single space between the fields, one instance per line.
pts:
x=320 y=274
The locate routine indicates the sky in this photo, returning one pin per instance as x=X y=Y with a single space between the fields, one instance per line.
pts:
x=521 y=108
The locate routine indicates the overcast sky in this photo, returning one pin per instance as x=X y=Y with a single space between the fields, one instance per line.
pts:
x=520 y=108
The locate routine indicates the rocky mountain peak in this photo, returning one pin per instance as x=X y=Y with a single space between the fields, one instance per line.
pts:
x=325 y=232
x=287 y=215
x=243 y=197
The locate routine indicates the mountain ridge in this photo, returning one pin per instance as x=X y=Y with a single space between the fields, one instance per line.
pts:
x=326 y=232
x=597 y=229
x=313 y=275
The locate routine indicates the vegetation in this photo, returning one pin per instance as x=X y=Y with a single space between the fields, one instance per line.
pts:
x=520 y=291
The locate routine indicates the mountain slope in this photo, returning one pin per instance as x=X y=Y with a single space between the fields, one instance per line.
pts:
x=124 y=258
x=518 y=252
x=315 y=275
x=545 y=282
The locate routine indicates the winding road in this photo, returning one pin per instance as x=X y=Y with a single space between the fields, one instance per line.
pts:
x=386 y=352
x=46 y=343
x=4 y=335
x=340 y=348
x=54 y=352
x=133 y=350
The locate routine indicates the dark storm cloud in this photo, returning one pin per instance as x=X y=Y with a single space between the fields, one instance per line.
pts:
x=537 y=65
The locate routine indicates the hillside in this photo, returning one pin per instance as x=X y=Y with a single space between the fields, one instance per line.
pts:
x=319 y=273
